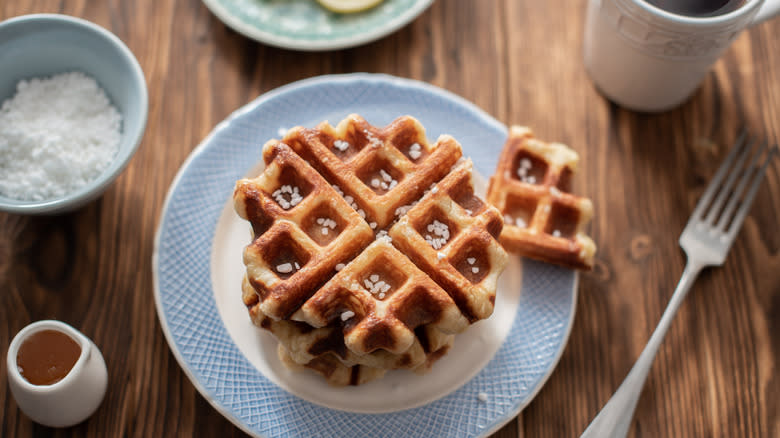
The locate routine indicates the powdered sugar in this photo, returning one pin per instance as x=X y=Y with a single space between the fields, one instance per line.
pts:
x=56 y=135
x=442 y=233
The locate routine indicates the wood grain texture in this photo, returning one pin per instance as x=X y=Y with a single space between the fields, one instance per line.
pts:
x=518 y=60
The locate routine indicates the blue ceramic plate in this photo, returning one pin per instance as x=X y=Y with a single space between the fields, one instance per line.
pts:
x=494 y=369
x=305 y=25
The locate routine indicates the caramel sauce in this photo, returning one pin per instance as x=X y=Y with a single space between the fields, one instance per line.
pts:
x=47 y=356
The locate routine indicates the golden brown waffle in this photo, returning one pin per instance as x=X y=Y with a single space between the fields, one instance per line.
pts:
x=381 y=298
x=305 y=343
x=377 y=170
x=451 y=236
x=531 y=188
x=337 y=373
x=294 y=251
x=333 y=261
x=334 y=372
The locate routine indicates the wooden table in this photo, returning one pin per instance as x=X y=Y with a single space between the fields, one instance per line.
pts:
x=521 y=61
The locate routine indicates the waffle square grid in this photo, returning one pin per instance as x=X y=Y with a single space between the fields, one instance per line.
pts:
x=342 y=222
x=531 y=188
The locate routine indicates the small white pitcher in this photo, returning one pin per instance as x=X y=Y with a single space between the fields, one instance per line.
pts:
x=70 y=400
x=647 y=59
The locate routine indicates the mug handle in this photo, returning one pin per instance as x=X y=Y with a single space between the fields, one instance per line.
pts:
x=769 y=9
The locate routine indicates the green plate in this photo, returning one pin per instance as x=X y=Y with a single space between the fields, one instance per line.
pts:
x=305 y=25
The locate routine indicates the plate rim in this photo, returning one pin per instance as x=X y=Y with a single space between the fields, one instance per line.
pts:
x=314 y=45
x=250 y=106
x=502 y=421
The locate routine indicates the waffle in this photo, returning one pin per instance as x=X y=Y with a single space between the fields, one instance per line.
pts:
x=337 y=373
x=334 y=372
x=451 y=236
x=292 y=254
x=304 y=343
x=382 y=298
x=336 y=270
x=377 y=170
x=531 y=188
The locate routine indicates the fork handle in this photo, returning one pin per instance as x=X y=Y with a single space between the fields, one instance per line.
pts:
x=615 y=417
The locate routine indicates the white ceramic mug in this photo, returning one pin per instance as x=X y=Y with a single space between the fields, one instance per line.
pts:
x=647 y=59
x=70 y=400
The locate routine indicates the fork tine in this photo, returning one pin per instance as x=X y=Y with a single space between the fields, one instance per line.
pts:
x=715 y=183
x=737 y=194
x=745 y=207
x=725 y=188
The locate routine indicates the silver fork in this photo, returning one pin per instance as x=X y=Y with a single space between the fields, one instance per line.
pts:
x=706 y=240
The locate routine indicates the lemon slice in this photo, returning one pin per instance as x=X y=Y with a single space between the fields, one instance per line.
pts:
x=348 y=6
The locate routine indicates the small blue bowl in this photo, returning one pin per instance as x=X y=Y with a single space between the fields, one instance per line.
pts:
x=43 y=45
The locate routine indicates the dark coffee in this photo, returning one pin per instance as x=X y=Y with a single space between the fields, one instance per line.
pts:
x=698 y=8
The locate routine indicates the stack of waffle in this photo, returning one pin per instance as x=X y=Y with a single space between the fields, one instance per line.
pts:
x=370 y=250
